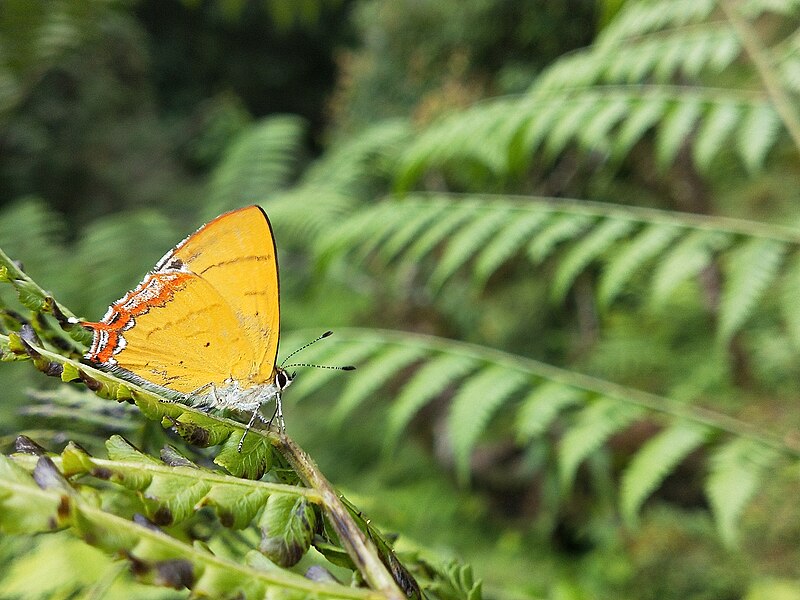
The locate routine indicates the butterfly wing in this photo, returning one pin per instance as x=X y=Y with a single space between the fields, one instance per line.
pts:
x=208 y=313
x=236 y=254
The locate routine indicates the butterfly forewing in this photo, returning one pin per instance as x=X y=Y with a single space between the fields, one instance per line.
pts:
x=208 y=313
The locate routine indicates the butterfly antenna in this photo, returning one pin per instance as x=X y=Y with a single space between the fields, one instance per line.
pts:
x=304 y=346
x=344 y=368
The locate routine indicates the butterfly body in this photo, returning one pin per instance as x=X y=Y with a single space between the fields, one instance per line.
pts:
x=203 y=326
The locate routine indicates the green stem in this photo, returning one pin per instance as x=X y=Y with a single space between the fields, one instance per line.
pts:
x=529 y=366
x=361 y=550
x=758 y=54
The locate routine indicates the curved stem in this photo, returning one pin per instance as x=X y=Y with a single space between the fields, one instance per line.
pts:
x=361 y=550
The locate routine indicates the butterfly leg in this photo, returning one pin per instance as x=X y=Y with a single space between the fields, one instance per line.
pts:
x=279 y=413
x=246 y=429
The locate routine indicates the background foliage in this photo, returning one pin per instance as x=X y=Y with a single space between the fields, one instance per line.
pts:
x=558 y=239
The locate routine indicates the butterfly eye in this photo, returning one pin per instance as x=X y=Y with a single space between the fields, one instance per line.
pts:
x=282 y=379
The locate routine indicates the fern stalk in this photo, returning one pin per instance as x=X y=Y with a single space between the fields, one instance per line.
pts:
x=758 y=54
x=360 y=549
x=646 y=400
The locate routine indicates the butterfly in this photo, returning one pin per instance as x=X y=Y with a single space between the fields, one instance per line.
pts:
x=203 y=326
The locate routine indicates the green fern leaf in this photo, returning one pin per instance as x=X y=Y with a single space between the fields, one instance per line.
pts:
x=587 y=250
x=675 y=129
x=643 y=115
x=790 y=307
x=439 y=231
x=427 y=383
x=542 y=406
x=654 y=461
x=259 y=162
x=752 y=268
x=543 y=115
x=608 y=113
x=473 y=406
x=576 y=115
x=621 y=267
x=593 y=426
x=465 y=243
x=382 y=367
x=736 y=470
x=413 y=228
x=506 y=243
x=716 y=128
x=757 y=134
x=311 y=380
x=562 y=227
x=685 y=260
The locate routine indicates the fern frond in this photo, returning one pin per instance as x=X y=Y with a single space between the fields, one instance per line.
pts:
x=439 y=231
x=736 y=470
x=630 y=257
x=464 y=244
x=561 y=228
x=752 y=269
x=258 y=163
x=586 y=251
x=371 y=377
x=675 y=128
x=685 y=260
x=592 y=427
x=476 y=401
x=657 y=458
x=717 y=126
x=757 y=134
x=789 y=295
x=542 y=406
x=429 y=382
x=413 y=228
x=506 y=243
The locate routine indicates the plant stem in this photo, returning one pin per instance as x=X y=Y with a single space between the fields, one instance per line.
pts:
x=758 y=54
x=361 y=550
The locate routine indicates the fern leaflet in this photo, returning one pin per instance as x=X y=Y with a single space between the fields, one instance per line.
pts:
x=585 y=251
x=542 y=406
x=561 y=227
x=654 y=461
x=736 y=470
x=476 y=401
x=593 y=426
x=753 y=267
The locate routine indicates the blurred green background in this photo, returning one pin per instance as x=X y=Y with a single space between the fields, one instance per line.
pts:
x=608 y=188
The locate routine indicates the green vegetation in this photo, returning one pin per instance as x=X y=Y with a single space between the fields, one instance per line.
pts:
x=559 y=242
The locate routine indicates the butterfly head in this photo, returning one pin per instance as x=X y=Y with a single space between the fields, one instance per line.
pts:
x=283 y=379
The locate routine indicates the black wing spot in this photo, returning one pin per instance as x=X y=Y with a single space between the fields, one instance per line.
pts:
x=207 y=344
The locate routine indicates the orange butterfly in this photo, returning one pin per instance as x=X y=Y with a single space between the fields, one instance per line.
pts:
x=203 y=326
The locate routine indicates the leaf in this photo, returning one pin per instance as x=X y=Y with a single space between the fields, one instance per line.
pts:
x=757 y=134
x=562 y=227
x=439 y=231
x=506 y=243
x=368 y=379
x=736 y=470
x=258 y=162
x=752 y=268
x=585 y=251
x=654 y=461
x=478 y=398
x=427 y=383
x=623 y=265
x=541 y=407
x=593 y=426
x=685 y=260
x=412 y=229
x=716 y=128
x=287 y=526
x=675 y=128
x=643 y=115
x=790 y=307
x=465 y=243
